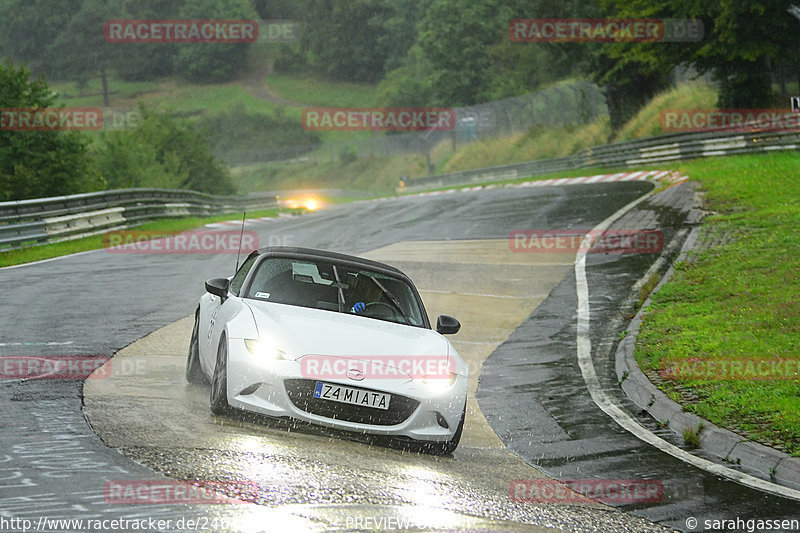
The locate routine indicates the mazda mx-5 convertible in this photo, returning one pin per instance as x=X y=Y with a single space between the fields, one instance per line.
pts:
x=333 y=340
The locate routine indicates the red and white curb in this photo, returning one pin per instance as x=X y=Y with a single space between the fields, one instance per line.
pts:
x=666 y=176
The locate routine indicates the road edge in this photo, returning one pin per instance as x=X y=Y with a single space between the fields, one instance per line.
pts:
x=777 y=468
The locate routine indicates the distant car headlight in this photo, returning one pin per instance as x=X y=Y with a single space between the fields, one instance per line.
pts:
x=440 y=383
x=264 y=349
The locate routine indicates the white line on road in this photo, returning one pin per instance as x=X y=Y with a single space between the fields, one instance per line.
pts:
x=609 y=406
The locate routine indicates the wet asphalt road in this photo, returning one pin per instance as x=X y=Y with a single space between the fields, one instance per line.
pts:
x=556 y=425
x=97 y=303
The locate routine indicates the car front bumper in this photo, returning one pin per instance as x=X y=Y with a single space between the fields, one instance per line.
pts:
x=276 y=388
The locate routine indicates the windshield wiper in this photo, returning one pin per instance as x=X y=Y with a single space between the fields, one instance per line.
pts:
x=392 y=298
x=339 y=288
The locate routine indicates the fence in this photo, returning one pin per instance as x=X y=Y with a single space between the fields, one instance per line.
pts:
x=52 y=219
x=46 y=220
x=578 y=103
x=660 y=149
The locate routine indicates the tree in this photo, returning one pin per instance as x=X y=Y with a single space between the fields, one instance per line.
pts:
x=164 y=152
x=341 y=38
x=463 y=55
x=520 y=68
x=213 y=62
x=409 y=85
x=139 y=61
x=628 y=86
x=397 y=21
x=29 y=27
x=81 y=47
x=745 y=43
x=237 y=133
x=36 y=164
x=455 y=38
x=278 y=9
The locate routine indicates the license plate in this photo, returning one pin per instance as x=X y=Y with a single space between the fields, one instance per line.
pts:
x=342 y=394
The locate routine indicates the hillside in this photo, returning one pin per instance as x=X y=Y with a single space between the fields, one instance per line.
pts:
x=257 y=118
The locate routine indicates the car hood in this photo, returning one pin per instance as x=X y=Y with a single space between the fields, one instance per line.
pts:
x=302 y=332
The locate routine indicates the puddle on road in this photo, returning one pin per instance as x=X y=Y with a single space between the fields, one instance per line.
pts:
x=148 y=411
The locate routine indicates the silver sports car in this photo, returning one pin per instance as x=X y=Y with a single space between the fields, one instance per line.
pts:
x=330 y=339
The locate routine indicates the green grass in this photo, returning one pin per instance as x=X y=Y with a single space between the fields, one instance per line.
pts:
x=373 y=174
x=209 y=99
x=691 y=436
x=322 y=93
x=212 y=99
x=84 y=244
x=536 y=143
x=647 y=121
x=738 y=301
x=380 y=174
x=169 y=94
x=92 y=94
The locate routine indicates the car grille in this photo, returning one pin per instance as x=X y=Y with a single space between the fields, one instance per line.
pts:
x=301 y=393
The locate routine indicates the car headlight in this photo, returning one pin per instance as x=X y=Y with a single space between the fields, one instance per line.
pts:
x=264 y=349
x=440 y=382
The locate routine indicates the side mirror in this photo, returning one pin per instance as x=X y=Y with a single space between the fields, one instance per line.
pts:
x=447 y=325
x=218 y=287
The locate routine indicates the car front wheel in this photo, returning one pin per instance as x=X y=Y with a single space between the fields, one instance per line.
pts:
x=194 y=374
x=219 y=383
x=448 y=447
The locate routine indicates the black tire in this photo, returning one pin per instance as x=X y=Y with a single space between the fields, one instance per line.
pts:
x=446 y=448
x=219 y=383
x=194 y=374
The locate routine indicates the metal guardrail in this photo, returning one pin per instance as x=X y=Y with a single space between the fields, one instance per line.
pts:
x=46 y=220
x=660 y=149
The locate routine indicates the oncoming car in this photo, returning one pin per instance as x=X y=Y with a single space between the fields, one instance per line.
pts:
x=333 y=340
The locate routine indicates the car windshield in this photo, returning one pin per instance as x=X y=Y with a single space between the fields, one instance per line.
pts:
x=333 y=287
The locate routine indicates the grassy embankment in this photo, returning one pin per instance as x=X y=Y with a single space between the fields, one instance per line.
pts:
x=739 y=301
x=333 y=164
x=381 y=174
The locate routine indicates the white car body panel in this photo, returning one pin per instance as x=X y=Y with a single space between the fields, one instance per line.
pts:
x=257 y=384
